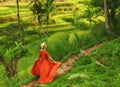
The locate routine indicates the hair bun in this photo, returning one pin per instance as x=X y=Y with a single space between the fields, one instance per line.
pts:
x=42 y=45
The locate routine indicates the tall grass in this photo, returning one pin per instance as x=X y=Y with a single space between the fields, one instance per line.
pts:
x=99 y=30
x=61 y=44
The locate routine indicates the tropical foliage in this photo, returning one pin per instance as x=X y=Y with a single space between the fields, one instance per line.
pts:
x=67 y=28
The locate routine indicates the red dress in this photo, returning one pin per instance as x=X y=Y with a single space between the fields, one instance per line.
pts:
x=45 y=68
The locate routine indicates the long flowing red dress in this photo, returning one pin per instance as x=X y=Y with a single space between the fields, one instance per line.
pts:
x=45 y=68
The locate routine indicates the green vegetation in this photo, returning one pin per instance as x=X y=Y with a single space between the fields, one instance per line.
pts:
x=72 y=26
x=87 y=72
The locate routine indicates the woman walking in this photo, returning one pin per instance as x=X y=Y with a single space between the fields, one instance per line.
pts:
x=45 y=66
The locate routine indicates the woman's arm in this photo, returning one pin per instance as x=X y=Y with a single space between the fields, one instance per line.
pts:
x=52 y=59
x=49 y=57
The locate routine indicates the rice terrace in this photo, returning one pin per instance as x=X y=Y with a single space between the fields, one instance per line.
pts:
x=59 y=43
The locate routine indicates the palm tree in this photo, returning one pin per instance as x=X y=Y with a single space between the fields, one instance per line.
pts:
x=107 y=18
x=90 y=14
x=37 y=6
x=49 y=7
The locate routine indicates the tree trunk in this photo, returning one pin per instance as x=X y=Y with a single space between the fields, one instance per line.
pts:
x=47 y=20
x=1 y=59
x=40 y=26
x=19 y=26
x=39 y=22
x=107 y=18
x=90 y=21
x=14 y=63
x=10 y=67
x=9 y=70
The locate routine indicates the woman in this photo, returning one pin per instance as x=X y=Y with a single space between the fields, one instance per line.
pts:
x=45 y=66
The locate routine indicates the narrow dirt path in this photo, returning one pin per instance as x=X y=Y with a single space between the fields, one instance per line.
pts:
x=66 y=66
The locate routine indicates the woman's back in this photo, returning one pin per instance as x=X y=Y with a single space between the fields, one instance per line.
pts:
x=45 y=67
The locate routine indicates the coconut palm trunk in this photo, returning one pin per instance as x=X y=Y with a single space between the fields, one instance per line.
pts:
x=107 y=18
x=40 y=26
x=19 y=26
x=47 y=20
